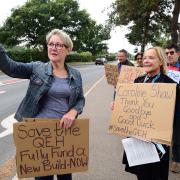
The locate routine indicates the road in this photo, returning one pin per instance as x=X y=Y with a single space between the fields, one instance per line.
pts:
x=105 y=150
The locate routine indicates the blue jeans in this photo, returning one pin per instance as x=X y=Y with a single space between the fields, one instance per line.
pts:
x=59 y=177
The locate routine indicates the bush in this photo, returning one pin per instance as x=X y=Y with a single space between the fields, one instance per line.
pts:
x=73 y=57
x=39 y=55
x=111 y=57
x=20 y=54
x=86 y=56
x=79 y=57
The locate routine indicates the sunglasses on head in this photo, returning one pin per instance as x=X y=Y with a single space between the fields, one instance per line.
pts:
x=170 y=52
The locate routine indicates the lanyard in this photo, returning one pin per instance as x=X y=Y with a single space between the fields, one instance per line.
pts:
x=154 y=79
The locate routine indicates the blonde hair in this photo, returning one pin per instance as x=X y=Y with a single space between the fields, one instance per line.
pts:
x=162 y=57
x=65 y=37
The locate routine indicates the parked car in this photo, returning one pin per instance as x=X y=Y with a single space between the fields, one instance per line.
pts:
x=100 y=61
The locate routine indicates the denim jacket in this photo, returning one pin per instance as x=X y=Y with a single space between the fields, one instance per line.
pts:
x=41 y=77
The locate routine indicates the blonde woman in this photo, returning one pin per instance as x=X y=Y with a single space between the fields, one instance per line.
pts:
x=55 y=89
x=154 y=64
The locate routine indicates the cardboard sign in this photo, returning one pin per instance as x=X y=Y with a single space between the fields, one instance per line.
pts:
x=144 y=111
x=43 y=148
x=129 y=74
x=111 y=72
x=175 y=75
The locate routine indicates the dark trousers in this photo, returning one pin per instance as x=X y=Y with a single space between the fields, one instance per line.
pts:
x=151 y=171
x=155 y=171
x=176 y=153
x=59 y=177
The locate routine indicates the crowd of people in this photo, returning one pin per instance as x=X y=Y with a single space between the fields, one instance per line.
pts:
x=55 y=91
x=156 y=61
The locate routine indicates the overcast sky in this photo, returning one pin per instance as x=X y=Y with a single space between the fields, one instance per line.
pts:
x=95 y=8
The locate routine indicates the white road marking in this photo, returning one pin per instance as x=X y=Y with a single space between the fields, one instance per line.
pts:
x=93 y=86
x=11 y=81
x=8 y=122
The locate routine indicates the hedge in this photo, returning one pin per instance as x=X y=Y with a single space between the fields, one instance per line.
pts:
x=27 y=55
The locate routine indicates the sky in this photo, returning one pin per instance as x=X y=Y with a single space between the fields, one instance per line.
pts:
x=95 y=9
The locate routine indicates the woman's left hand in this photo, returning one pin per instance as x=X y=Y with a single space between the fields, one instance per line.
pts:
x=68 y=119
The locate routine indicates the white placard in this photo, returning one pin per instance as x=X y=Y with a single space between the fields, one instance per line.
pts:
x=139 y=152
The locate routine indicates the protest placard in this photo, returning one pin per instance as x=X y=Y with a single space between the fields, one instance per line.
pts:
x=43 y=148
x=111 y=72
x=175 y=75
x=144 y=111
x=129 y=74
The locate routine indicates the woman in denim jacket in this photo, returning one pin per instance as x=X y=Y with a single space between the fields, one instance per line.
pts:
x=55 y=89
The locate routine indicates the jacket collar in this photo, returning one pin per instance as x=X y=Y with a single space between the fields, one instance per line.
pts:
x=70 y=71
x=49 y=70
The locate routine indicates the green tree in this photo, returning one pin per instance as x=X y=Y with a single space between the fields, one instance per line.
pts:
x=147 y=19
x=31 y=22
x=94 y=38
x=174 y=22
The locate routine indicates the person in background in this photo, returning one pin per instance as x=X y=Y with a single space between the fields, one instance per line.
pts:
x=174 y=64
x=139 y=59
x=122 y=57
x=154 y=64
x=172 y=57
x=55 y=89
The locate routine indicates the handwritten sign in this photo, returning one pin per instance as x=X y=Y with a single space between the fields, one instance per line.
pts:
x=144 y=111
x=175 y=75
x=129 y=74
x=43 y=148
x=111 y=72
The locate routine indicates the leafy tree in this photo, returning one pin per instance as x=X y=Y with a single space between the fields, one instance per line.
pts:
x=30 y=23
x=147 y=19
x=174 y=22
x=91 y=38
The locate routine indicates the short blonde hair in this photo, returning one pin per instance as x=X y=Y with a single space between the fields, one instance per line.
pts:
x=65 y=37
x=162 y=57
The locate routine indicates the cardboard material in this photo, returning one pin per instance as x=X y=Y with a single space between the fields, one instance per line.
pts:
x=144 y=111
x=111 y=72
x=129 y=74
x=42 y=148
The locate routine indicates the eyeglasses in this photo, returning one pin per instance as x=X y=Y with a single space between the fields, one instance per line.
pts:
x=58 y=46
x=170 y=52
